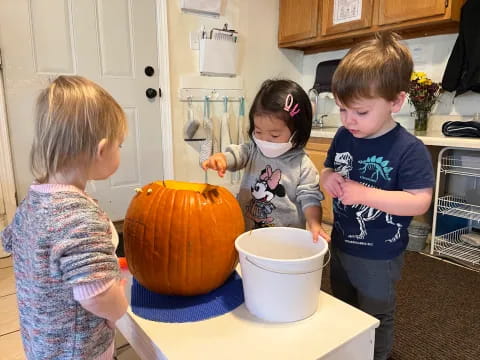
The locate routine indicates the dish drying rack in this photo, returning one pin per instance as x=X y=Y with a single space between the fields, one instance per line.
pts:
x=453 y=200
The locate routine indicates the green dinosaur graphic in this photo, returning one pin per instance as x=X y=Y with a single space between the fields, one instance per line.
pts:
x=374 y=167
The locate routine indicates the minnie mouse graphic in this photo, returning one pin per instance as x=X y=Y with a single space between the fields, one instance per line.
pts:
x=265 y=189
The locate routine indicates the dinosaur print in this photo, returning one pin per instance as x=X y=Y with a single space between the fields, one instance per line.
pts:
x=376 y=167
x=372 y=169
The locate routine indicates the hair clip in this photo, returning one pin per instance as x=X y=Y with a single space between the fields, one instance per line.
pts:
x=288 y=105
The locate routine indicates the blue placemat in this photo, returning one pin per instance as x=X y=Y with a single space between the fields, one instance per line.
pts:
x=168 y=308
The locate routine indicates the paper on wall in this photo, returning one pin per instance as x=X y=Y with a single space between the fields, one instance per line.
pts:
x=205 y=7
x=346 y=11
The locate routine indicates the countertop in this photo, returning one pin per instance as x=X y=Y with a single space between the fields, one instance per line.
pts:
x=432 y=136
x=336 y=331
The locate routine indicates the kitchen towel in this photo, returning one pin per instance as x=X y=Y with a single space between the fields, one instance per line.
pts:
x=461 y=128
x=225 y=139
x=237 y=175
x=208 y=146
x=462 y=72
x=179 y=309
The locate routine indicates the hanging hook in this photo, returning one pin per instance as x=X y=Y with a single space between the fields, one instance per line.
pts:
x=214 y=94
x=225 y=104
x=206 y=107
x=241 y=111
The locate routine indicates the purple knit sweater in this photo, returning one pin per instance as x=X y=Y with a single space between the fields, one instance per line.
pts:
x=60 y=239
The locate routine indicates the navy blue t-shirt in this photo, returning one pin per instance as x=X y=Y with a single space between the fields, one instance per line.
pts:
x=394 y=161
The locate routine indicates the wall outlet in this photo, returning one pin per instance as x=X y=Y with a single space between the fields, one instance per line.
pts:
x=195 y=40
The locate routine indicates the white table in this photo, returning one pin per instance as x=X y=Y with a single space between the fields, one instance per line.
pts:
x=336 y=331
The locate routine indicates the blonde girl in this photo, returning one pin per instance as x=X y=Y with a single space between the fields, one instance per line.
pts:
x=68 y=284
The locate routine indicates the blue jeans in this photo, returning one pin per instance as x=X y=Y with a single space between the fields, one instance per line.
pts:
x=369 y=285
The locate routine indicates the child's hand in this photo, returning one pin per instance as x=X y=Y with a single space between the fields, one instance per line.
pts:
x=353 y=192
x=317 y=230
x=216 y=162
x=331 y=182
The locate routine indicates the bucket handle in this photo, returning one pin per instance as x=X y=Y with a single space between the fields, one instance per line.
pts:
x=289 y=273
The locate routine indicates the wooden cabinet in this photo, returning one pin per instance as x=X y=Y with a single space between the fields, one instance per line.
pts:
x=330 y=25
x=394 y=11
x=317 y=150
x=291 y=11
x=315 y=25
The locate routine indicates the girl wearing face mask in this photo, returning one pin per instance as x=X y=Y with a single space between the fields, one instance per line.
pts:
x=280 y=184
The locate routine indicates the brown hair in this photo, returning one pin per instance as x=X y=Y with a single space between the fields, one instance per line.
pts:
x=380 y=67
x=73 y=114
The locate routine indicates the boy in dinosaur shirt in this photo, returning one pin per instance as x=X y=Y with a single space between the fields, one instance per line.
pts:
x=379 y=176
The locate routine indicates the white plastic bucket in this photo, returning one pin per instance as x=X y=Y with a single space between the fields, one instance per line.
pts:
x=281 y=272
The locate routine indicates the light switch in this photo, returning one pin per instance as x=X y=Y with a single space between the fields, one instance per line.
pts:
x=194 y=40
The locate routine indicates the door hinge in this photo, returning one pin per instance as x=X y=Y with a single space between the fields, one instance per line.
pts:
x=446 y=3
x=1 y=59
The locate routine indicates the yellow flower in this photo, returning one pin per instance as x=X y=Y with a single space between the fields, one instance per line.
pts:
x=421 y=75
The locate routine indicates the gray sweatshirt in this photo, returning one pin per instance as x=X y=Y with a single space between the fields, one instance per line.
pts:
x=274 y=191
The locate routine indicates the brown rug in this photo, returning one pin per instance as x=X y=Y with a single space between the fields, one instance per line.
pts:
x=438 y=310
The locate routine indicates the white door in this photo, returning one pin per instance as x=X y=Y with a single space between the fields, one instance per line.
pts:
x=110 y=42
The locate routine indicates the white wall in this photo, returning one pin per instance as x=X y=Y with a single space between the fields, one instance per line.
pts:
x=259 y=59
x=430 y=55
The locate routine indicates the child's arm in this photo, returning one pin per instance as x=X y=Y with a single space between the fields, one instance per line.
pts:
x=110 y=304
x=401 y=203
x=7 y=236
x=331 y=182
x=313 y=215
x=234 y=158
x=309 y=197
x=415 y=177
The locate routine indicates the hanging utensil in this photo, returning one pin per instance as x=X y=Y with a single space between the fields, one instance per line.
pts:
x=192 y=124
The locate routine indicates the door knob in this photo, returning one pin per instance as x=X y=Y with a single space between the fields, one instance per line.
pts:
x=149 y=71
x=151 y=93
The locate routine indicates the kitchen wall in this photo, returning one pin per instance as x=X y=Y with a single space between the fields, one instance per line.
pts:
x=259 y=59
x=430 y=55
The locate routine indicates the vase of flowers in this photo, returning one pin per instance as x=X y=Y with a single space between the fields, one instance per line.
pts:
x=422 y=94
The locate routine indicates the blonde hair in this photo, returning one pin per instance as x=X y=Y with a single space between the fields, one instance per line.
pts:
x=73 y=114
x=380 y=67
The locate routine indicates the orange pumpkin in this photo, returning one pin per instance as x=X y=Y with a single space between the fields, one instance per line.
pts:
x=179 y=237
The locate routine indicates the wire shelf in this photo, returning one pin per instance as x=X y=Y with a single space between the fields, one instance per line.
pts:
x=450 y=245
x=455 y=205
x=461 y=165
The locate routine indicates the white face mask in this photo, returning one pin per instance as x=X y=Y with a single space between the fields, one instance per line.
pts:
x=273 y=150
